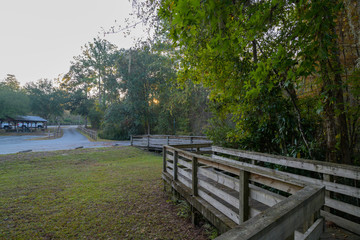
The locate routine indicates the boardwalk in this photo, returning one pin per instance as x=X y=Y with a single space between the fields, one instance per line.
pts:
x=229 y=186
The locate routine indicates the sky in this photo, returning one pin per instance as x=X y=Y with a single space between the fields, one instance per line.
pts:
x=39 y=38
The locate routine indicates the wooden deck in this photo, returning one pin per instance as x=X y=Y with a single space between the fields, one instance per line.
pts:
x=230 y=186
x=249 y=195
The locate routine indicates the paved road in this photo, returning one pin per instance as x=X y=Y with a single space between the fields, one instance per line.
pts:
x=70 y=140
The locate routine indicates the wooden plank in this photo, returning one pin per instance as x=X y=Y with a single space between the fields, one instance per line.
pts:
x=185 y=163
x=253 y=212
x=195 y=145
x=184 y=181
x=341 y=222
x=170 y=165
x=289 y=188
x=186 y=155
x=185 y=172
x=243 y=196
x=340 y=170
x=217 y=218
x=170 y=157
x=264 y=196
x=280 y=221
x=315 y=231
x=219 y=206
x=331 y=186
x=219 y=193
x=342 y=206
x=220 y=178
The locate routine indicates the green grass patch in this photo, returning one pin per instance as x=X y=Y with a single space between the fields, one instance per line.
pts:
x=105 y=193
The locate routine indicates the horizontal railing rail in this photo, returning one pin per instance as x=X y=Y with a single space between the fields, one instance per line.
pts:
x=91 y=133
x=157 y=141
x=233 y=192
x=342 y=201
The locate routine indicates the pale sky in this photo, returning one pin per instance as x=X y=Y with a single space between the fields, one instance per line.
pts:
x=39 y=38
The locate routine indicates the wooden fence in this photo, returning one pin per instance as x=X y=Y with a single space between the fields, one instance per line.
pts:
x=89 y=132
x=228 y=193
x=156 y=142
x=342 y=201
x=56 y=133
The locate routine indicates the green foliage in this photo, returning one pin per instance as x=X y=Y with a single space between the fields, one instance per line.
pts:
x=13 y=102
x=45 y=99
x=256 y=57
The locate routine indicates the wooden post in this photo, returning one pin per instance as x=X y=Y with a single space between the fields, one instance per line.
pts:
x=131 y=140
x=176 y=155
x=167 y=140
x=148 y=142
x=327 y=178
x=164 y=159
x=243 y=196
x=194 y=176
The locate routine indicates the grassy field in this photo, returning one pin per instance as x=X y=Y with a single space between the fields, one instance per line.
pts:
x=105 y=193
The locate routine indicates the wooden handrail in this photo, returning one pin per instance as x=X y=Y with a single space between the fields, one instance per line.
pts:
x=219 y=181
x=89 y=132
x=320 y=173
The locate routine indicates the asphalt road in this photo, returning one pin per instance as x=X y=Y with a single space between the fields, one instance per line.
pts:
x=70 y=140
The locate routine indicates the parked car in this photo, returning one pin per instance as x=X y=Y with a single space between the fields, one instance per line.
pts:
x=30 y=125
x=6 y=125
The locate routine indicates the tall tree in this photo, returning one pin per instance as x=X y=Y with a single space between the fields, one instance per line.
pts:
x=46 y=100
x=258 y=57
x=13 y=100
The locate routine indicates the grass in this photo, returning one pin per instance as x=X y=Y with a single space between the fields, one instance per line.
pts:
x=104 y=193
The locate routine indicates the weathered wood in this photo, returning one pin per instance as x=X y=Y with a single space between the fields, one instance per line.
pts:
x=175 y=165
x=264 y=196
x=344 y=207
x=313 y=233
x=274 y=183
x=219 y=177
x=280 y=221
x=340 y=170
x=243 y=196
x=219 y=193
x=219 y=206
x=195 y=176
x=164 y=158
x=336 y=187
x=217 y=218
x=184 y=163
x=342 y=222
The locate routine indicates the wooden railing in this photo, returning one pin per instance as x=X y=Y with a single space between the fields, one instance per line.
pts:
x=229 y=193
x=157 y=141
x=342 y=201
x=89 y=132
x=56 y=133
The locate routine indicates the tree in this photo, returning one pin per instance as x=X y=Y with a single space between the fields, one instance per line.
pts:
x=45 y=99
x=257 y=57
x=13 y=101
